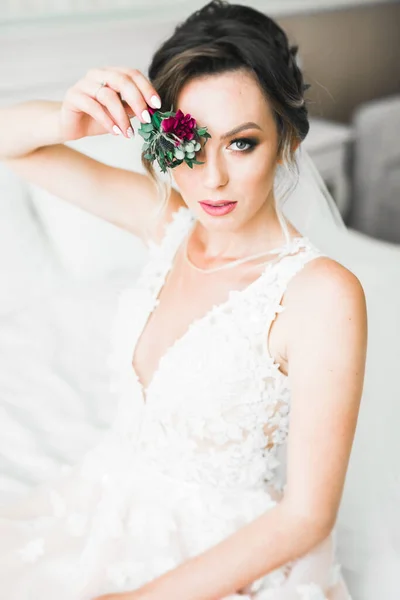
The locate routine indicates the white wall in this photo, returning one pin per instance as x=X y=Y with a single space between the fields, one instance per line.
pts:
x=26 y=9
x=42 y=62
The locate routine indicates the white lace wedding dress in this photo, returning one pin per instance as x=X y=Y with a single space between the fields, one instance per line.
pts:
x=186 y=462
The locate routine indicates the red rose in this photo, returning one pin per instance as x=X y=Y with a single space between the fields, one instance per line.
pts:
x=181 y=125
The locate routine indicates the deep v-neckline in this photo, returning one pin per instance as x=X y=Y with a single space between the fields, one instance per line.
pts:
x=220 y=306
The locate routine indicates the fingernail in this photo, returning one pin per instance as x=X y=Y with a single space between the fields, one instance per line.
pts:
x=146 y=116
x=155 y=101
x=130 y=132
x=117 y=130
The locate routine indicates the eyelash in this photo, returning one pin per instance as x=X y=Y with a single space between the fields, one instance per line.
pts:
x=252 y=143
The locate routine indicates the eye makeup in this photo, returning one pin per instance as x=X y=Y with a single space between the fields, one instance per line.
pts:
x=250 y=141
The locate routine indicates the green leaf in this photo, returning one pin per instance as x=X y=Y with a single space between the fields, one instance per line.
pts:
x=149 y=156
x=147 y=127
x=146 y=136
x=197 y=162
x=156 y=119
x=177 y=163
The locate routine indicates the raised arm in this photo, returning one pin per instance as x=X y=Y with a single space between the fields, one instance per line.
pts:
x=34 y=133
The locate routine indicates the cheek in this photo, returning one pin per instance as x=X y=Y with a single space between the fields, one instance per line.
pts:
x=256 y=174
x=185 y=178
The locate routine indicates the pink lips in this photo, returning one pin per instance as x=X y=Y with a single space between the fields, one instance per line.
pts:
x=217 y=210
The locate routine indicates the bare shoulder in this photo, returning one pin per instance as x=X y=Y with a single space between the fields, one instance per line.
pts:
x=323 y=279
x=324 y=291
x=325 y=306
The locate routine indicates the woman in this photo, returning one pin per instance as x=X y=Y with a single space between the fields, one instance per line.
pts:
x=200 y=490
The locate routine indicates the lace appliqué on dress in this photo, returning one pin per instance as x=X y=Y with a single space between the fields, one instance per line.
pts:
x=195 y=456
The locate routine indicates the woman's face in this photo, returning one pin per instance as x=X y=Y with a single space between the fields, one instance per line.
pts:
x=237 y=166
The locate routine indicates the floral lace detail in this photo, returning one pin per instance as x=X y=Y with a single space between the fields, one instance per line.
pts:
x=223 y=429
x=194 y=457
x=219 y=432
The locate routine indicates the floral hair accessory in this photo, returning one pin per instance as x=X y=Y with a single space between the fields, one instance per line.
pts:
x=172 y=138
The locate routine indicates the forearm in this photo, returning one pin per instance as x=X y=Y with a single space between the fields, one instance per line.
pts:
x=26 y=126
x=255 y=550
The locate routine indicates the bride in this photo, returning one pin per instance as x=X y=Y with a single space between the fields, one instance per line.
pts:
x=238 y=356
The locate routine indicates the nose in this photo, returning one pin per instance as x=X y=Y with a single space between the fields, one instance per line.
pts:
x=215 y=172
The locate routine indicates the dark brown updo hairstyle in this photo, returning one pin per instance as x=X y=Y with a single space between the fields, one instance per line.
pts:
x=223 y=37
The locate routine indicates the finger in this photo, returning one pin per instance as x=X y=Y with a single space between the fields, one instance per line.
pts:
x=127 y=87
x=149 y=92
x=87 y=105
x=109 y=98
x=128 y=109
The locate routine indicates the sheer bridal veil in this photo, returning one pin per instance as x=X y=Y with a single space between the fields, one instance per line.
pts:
x=368 y=524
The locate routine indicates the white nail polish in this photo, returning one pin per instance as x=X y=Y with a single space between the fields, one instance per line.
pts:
x=117 y=130
x=146 y=116
x=155 y=101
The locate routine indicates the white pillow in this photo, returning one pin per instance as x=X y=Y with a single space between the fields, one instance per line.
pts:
x=28 y=265
x=88 y=246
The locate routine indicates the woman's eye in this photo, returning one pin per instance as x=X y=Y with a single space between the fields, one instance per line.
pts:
x=244 y=141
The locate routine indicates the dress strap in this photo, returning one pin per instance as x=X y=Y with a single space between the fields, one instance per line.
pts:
x=174 y=231
x=291 y=262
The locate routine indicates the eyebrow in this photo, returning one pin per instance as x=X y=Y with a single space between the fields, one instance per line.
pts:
x=248 y=125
